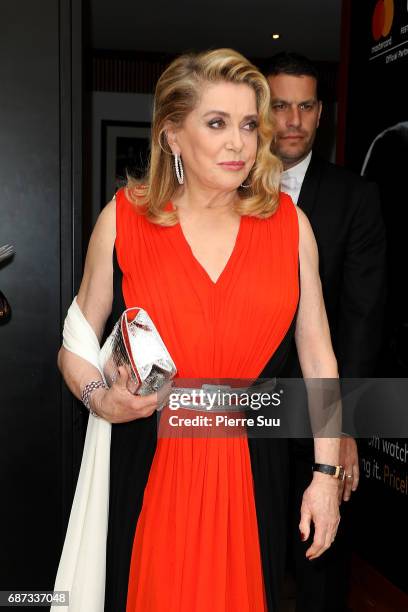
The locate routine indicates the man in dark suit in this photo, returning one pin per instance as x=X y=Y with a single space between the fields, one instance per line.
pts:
x=345 y=215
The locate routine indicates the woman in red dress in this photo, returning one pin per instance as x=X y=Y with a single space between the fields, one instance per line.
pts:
x=210 y=249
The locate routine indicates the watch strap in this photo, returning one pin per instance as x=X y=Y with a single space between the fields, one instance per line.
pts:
x=337 y=471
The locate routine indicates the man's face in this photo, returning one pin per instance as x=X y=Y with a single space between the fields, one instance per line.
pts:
x=296 y=110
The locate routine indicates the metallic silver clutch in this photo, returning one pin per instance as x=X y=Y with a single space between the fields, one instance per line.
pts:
x=136 y=344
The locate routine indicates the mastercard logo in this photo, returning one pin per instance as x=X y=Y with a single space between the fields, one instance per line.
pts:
x=382 y=18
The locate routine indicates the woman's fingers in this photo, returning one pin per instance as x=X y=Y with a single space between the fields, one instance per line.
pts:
x=320 y=504
x=356 y=476
x=154 y=400
x=348 y=484
x=318 y=544
x=304 y=525
x=351 y=481
x=122 y=378
x=143 y=405
x=349 y=458
x=123 y=406
x=324 y=536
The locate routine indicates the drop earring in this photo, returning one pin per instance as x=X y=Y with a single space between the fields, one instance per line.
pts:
x=248 y=185
x=179 y=168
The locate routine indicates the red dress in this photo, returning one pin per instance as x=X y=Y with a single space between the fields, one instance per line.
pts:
x=196 y=544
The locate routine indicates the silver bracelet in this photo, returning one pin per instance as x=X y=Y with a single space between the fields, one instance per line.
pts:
x=87 y=392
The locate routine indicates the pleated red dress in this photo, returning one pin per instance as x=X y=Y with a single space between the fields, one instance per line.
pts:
x=196 y=544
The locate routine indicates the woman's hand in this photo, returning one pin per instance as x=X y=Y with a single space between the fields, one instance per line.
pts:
x=320 y=504
x=118 y=405
x=349 y=459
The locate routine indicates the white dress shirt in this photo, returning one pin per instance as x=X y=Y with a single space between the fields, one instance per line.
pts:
x=292 y=178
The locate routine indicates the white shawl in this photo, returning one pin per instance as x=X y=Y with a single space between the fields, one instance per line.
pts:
x=82 y=566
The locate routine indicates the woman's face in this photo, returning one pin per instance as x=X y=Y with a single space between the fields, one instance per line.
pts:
x=218 y=139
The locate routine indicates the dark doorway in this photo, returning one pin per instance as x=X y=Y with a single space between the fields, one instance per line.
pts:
x=40 y=215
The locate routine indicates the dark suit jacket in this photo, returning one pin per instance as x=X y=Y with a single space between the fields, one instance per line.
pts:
x=345 y=214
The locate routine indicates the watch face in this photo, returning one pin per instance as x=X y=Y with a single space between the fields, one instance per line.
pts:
x=342 y=473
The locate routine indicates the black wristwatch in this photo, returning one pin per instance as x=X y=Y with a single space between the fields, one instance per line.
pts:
x=337 y=471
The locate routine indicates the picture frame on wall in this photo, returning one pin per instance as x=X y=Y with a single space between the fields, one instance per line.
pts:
x=125 y=148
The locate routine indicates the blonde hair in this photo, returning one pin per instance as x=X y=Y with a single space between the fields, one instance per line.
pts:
x=177 y=94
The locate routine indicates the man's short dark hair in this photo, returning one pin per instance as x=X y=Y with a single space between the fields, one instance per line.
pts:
x=293 y=64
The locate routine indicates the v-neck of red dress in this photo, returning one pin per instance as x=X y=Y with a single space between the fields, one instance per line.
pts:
x=197 y=265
